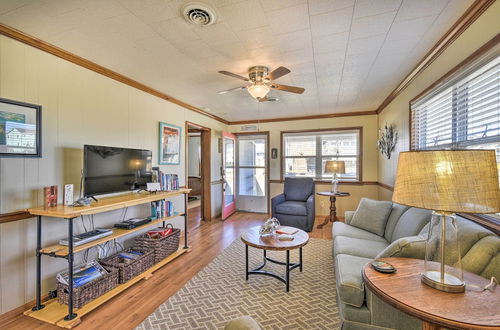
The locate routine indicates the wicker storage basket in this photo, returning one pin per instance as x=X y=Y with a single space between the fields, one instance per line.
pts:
x=163 y=247
x=89 y=291
x=128 y=270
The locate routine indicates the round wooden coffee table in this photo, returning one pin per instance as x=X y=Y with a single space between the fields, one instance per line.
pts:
x=253 y=239
x=472 y=309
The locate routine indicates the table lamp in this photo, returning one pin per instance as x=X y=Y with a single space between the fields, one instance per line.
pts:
x=447 y=182
x=335 y=167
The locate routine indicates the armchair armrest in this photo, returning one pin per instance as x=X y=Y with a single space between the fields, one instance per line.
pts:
x=348 y=216
x=275 y=201
x=311 y=210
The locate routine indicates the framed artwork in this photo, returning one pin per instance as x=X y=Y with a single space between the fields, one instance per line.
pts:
x=170 y=144
x=20 y=129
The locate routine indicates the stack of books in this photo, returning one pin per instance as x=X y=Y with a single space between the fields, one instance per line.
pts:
x=83 y=274
x=162 y=209
x=167 y=181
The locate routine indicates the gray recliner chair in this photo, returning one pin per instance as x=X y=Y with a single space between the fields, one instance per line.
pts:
x=295 y=207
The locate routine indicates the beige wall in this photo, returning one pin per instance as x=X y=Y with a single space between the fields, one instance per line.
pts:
x=79 y=107
x=397 y=112
x=369 y=161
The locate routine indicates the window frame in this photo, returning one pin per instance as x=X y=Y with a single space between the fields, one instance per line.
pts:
x=359 y=156
x=476 y=59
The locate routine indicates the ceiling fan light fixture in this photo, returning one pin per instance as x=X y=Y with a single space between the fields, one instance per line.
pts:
x=258 y=90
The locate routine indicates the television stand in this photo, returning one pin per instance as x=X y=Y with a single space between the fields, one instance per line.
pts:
x=66 y=316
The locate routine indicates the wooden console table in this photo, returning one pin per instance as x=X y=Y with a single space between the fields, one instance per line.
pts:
x=405 y=291
x=66 y=316
x=333 y=209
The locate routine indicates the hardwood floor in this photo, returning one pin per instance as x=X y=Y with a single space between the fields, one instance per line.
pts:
x=130 y=308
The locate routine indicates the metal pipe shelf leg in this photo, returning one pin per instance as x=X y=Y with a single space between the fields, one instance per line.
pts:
x=186 y=221
x=38 y=264
x=70 y=315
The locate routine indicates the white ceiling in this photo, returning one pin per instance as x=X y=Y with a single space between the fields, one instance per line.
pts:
x=347 y=54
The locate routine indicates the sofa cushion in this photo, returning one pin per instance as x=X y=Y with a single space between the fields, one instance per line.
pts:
x=411 y=223
x=292 y=208
x=298 y=189
x=405 y=247
x=371 y=215
x=351 y=289
x=358 y=247
x=342 y=229
x=396 y=212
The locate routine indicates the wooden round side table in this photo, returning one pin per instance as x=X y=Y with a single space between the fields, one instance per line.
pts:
x=333 y=208
x=473 y=309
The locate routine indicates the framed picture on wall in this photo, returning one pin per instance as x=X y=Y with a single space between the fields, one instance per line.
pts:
x=20 y=129
x=170 y=144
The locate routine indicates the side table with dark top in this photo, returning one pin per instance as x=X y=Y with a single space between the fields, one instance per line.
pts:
x=333 y=208
x=252 y=238
x=404 y=290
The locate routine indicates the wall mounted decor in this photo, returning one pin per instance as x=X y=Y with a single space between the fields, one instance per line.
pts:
x=20 y=129
x=388 y=137
x=170 y=144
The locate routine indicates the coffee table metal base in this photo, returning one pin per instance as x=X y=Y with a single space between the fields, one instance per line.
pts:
x=289 y=266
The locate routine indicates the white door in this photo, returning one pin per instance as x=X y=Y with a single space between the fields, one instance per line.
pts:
x=251 y=173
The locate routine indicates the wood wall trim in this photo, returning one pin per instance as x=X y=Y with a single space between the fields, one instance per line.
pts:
x=61 y=53
x=386 y=186
x=14 y=216
x=330 y=115
x=346 y=183
x=470 y=15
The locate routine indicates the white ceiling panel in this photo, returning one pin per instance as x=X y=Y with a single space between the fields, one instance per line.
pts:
x=347 y=54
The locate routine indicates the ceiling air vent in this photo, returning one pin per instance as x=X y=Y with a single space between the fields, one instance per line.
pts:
x=199 y=14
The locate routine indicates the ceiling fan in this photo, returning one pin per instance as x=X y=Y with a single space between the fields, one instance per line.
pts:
x=261 y=82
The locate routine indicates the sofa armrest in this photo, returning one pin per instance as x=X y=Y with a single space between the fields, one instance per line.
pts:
x=405 y=247
x=275 y=201
x=311 y=212
x=348 y=216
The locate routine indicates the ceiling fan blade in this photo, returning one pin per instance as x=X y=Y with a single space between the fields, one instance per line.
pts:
x=234 y=75
x=232 y=89
x=277 y=73
x=285 y=88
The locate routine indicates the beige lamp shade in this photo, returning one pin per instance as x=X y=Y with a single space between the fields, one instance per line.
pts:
x=448 y=181
x=335 y=166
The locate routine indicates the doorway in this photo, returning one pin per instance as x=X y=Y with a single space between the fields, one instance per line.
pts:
x=198 y=174
x=252 y=172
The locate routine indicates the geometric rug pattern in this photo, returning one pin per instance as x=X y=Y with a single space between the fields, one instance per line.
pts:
x=219 y=293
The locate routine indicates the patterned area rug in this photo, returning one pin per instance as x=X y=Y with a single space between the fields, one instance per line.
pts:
x=219 y=293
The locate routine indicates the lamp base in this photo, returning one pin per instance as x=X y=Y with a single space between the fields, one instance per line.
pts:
x=449 y=283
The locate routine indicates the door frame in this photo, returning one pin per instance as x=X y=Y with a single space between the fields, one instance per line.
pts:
x=223 y=174
x=268 y=174
x=205 y=163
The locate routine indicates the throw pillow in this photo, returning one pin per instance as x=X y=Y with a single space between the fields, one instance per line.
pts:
x=372 y=215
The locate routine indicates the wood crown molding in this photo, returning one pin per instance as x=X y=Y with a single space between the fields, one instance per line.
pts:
x=329 y=115
x=61 y=53
x=471 y=14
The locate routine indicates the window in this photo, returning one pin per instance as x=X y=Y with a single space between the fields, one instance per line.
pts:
x=305 y=153
x=462 y=112
x=252 y=166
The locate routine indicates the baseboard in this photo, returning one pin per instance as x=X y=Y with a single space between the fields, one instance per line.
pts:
x=10 y=316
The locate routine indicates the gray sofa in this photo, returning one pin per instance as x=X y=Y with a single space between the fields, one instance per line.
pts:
x=295 y=206
x=401 y=234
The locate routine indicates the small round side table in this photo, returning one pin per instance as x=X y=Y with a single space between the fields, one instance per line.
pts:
x=333 y=208
x=404 y=290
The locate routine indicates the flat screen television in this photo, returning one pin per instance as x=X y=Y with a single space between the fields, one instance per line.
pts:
x=110 y=170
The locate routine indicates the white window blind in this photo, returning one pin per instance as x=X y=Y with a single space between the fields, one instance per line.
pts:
x=462 y=113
